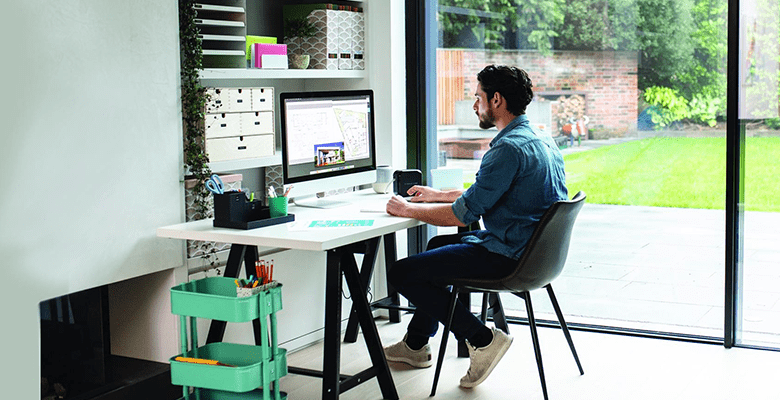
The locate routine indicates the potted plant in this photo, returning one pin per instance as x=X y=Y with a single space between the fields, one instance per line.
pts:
x=298 y=29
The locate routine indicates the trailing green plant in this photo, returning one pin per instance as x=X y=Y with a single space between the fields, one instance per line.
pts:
x=193 y=101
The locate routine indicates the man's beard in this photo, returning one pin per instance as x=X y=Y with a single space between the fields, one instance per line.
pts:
x=487 y=120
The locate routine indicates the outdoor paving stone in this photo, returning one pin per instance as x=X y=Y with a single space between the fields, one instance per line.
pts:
x=757 y=300
x=762 y=283
x=671 y=293
x=669 y=275
x=587 y=286
x=631 y=309
x=595 y=270
x=766 y=255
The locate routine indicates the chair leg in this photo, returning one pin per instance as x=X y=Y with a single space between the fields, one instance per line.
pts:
x=485 y=302
x=445 y=335
x=499 y=318
x=537 y=350
x=464 y=297
x=564 y=328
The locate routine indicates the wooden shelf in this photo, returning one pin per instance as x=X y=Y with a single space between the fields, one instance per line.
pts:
x=256 y=73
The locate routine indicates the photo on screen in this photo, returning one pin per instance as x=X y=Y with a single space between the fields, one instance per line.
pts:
x=329 y=154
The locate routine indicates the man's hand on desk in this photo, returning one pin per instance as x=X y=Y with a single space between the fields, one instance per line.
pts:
x=425 y=194
x=400 y=207
x=434 y=214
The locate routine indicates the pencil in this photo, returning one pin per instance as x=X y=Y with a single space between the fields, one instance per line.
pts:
x=201 y=361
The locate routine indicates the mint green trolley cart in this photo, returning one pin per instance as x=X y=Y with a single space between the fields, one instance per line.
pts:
x=244 y=371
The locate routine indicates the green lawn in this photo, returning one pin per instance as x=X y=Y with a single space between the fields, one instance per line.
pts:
x=675 y=172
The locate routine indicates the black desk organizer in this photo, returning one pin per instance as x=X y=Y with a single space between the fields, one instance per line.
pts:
x=234 y=210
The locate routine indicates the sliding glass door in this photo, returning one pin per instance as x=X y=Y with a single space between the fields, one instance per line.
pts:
x=759 y=309
x=635 y=95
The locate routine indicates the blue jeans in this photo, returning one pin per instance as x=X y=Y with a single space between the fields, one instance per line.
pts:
x=419 y=279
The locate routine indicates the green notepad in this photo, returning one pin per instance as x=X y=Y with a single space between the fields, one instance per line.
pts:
x=341 y=223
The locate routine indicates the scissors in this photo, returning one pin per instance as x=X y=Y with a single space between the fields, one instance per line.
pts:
x=214 y=184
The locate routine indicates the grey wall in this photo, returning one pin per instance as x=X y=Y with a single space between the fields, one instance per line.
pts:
x=90 y=155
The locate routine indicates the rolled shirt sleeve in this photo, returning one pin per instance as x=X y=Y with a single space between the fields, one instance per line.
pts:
x=496 y=173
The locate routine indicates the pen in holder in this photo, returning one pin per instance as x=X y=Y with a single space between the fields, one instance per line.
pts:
x=251 y=291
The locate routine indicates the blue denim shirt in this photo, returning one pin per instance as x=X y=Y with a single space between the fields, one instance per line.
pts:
x=520 y=177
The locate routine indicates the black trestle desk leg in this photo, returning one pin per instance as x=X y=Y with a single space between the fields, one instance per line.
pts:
x=331 y=362
x=250 y=259
x=370 y=333
x=236 y=255
x=366 y=271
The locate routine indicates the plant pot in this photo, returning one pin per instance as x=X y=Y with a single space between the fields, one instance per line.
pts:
x=298 y=61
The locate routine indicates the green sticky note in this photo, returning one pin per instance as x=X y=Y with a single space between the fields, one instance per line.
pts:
x=341 y=223
x=257 y=39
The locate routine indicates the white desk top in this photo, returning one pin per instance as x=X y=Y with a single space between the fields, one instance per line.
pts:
x=296 y=234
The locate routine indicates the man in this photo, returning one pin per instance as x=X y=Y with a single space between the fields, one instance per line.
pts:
x=520 y=177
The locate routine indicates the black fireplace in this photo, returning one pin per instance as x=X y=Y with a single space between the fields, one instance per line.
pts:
x=76 y=360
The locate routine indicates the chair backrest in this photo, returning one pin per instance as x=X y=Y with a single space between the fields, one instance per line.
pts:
x=544 y=255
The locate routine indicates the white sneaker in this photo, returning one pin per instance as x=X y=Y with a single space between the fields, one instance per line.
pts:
x=401 y=352
x=484 y=359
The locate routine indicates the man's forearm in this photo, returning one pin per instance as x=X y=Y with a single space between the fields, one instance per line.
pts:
x=449 y=196
x=435 y=214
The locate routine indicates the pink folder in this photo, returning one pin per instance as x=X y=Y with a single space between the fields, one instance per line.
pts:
x=258 y=49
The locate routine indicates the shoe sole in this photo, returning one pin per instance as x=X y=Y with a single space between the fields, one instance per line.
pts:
x=409 y=362
x=470 y=385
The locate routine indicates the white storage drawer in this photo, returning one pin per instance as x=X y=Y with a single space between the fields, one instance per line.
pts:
x=263 y=99
x=240 y=100
x=223 y=125
x=225 y=100
x=217 y=100
x=257 y=123
x=239 y=147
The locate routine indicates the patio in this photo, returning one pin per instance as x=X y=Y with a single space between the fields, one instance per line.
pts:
x=662 y=269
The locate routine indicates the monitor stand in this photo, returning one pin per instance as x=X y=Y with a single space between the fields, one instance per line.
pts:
x=316 y=202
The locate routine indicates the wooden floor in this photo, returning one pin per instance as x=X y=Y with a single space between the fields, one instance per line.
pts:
x=616 y=367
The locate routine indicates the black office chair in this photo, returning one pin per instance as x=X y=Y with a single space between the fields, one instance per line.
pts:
x=541 y=262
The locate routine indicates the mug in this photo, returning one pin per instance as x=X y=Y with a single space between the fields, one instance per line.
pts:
x=384 y=177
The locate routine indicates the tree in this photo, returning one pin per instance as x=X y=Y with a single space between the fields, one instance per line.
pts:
x=491 y=21
x=599 y=25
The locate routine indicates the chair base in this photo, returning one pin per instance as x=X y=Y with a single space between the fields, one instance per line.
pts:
x=531 y=321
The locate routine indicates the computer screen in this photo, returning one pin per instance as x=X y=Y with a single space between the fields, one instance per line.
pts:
x=327 y=140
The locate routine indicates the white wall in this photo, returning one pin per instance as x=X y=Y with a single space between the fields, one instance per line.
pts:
x=90 y=153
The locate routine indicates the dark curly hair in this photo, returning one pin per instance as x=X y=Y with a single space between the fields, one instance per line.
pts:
x=513 y=83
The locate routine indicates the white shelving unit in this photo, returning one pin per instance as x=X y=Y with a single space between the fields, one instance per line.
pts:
x=248 y=77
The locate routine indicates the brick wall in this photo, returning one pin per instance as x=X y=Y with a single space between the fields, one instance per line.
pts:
x=607 y=79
